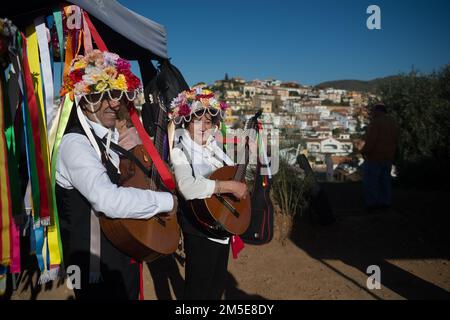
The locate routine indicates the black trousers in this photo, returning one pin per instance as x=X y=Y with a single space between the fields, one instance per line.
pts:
x=206 y=268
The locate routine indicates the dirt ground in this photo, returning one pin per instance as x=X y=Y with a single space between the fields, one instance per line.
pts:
x=410 y=244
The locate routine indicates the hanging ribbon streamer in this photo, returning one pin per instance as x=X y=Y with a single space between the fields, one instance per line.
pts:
x=57 y=16
x=46 y=67
x=12 y=153
x=87 y=38
x=69 y=47
x=5 y=196
x=46 y=188
x=50 y=21
x=52 y=239
x=53 y=230
x=95 y=231
x=98 y=40
x=160 y=166
x=14 y=181
x=43 y=217
x=32 y=67
x=28 y=135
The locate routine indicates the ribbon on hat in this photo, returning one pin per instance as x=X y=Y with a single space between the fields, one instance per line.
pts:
x=160 y=166
x=98 y=40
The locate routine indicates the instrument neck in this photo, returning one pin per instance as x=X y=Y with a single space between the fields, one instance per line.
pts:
x=242 y=168
x=159 y=140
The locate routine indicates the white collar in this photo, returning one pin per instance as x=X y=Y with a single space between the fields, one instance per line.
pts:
x=198 y=152
x=102 y=131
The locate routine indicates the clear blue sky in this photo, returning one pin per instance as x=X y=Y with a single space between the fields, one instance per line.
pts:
x=306 y=41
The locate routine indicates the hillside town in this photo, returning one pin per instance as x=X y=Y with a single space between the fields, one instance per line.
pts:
x=323 y=124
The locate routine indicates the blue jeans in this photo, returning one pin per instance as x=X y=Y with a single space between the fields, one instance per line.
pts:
x=377 y=183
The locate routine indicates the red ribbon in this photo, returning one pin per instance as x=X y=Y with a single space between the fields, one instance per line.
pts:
x=44 y=211
x=141 y=283
x=98 y=40
x=236 y=245
x=160 y=166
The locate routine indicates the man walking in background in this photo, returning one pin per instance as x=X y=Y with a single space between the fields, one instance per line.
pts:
x=379 y=151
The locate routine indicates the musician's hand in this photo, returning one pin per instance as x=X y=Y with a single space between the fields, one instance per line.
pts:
x=239 y=190
x=129 y=139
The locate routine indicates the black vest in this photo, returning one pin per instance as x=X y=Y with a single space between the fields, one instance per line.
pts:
x=120 y=276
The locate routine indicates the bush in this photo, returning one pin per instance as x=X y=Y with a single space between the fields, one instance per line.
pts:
x=290 y=189
x=421 y=105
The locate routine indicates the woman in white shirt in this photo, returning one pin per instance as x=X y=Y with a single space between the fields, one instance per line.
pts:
x=194 y=157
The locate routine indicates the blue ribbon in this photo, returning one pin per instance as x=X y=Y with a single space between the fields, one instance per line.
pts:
x=39 y=236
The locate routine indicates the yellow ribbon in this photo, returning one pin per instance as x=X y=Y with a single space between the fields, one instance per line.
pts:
x=5 y=196
x=33 y=58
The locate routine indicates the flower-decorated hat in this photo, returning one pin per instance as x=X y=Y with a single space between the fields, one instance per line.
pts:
x=196 y=101
x=101 y=73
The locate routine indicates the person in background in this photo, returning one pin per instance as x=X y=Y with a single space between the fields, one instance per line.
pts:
x=378 y=150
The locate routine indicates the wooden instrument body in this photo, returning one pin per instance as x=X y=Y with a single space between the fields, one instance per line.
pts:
x=141 y=239
x=218 y=218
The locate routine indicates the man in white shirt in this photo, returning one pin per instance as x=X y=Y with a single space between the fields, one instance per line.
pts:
x=87 y=173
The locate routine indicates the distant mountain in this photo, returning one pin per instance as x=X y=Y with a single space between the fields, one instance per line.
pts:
x=355 y=85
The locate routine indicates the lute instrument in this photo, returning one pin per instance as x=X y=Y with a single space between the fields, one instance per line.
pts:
x=143 y=239
x=223 y=215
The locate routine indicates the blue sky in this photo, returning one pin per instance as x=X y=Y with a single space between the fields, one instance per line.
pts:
x=305 y=41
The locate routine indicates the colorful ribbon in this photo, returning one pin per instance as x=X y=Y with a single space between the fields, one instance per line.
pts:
x=5 y=196
x=160 y=166
x=14 y=182
x=30 y=68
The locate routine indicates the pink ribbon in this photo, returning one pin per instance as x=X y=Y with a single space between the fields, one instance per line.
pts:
x=15 y=246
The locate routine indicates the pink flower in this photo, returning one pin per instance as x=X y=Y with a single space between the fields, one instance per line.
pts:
x=223 y=106
x=122 y=65
x=184 y=110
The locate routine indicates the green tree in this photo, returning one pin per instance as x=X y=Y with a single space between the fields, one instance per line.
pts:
x=421 y=105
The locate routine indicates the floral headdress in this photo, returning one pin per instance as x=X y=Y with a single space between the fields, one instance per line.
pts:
x=101 y=72
x=198 y=101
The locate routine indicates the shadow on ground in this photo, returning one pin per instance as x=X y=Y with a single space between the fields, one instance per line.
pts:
x=165 y=273
x=414 y=228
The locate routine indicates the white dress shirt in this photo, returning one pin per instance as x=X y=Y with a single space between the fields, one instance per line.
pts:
x=204 y=162
x=78 y=166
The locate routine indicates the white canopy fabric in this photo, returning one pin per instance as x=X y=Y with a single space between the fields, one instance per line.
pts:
x=124 y=31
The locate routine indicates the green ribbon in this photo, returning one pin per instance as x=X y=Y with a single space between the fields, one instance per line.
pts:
x=13 y=164
x=63 y=120
x=59 y=30
x=223 y=130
